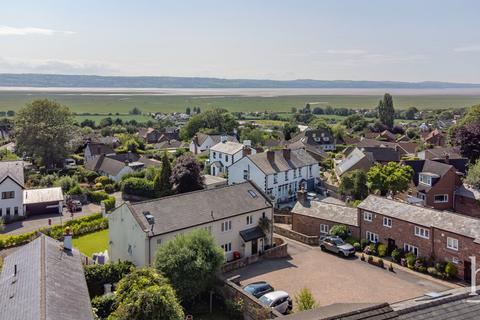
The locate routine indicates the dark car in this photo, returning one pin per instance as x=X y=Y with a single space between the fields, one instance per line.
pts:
x=258 y=289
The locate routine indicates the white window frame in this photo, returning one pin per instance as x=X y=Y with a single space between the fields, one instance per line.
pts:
x=427 y=180
x=367 y=216
x=249 y=220
x=227 y=247
x=226 y=226
x=452 y=243
x=372 y=237
x=422 y=232
x=387 y=222
x=324 y=228
x=409 y=248
x=440 y=195
x=275 y=178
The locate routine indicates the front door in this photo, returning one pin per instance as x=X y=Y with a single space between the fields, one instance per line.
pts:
x=391 y=245
x=467 y=271
x=254 y=247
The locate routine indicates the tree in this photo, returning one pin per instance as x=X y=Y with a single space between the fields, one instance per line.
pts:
x=339 y=230
x=215 y=121
x=391 y=177
x=317 y=110
x=186 y=174
x=88 y=123
x=304 y=300
x=10 y=113
x=2 y=224
x=145 y=294
x=188 y=111
x=44 y=130
x=386 y=111
x=413 y=133
x=135 y=111
x=289 y=130
x=190 y=261
x=410 y=113
x=354 y=183
x=318 y=123
x=256 y=136
x=468 y=139
x=473 y=175
x=293 y=110
x=161 y=182
x=356 y=122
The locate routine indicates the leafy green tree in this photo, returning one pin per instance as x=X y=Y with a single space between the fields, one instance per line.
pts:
x=304 y=300
x=161 y=182
x=386 y=112
x=135 y=111
x=473 y=175
x=145 y=294
x=356 y=122
x=190 y=262
x=186 y=175
x=468 y=139
x=215 y=121
x=413 y=133
x=289 y=130
x=339 y=132
x=391 y=177
x=188 y=110
x=255 y=135
x=44 y=130
x=410 y=113
x=318 y=123
x=339 y=230
x=354 y=183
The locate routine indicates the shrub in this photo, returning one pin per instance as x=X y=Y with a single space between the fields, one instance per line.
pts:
x=362 y=257
x=234 y=308
x=304 y=300
x=66 y=183
x=104 y=305
x=76 y=190
x=397 y=254
x=422 y=269
x=109 y=203
x=390 y=267
x=370 y=259
x=451 y=270
x=350 y=240
x=440 y=266
x=357 y=246
x=380 y=263
x=382 y=250
x=104 y=180
x=90 y=176
x=138 y=187
x=97 y=196
x=339 y=230
x=99 y=274
x=364 y=243
x=16 y=240
x=411 y=258
x=109 y=188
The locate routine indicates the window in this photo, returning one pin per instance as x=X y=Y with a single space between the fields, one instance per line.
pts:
x=310 y=170
x=286 y=175
x=452 y=243
x=294 y=173
x=159 y=241
x=1 y=212
x=226 y=157
x=8 y=212
x=422 y=232
x=249 y=220
x=372 y=237
x=15 y=211
x=421 y=196
x=245 y=174
x=300 y=172
x=226 y=226
x=422 y=178
x=387 y=222
x=324 y=228
x=227 y=247
x=409 y=248
x=367 y=216
x=264 y=215
x=214 y=155
x=8 y=195
x=275 y=178
x=441 y=198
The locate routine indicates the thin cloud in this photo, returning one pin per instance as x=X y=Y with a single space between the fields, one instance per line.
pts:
x=13 y=65
x=347 y=51
x=474 y=48
x=25 y=31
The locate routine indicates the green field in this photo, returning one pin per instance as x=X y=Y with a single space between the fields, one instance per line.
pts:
x=124 y=117
x=92 y=242
x=122 y=103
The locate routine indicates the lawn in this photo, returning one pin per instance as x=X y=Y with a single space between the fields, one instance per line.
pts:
x=92 y=242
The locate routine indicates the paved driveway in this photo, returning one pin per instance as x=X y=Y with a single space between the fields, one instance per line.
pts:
x=335 y=279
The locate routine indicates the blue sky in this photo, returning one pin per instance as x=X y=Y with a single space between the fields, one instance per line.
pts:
x=359 y=40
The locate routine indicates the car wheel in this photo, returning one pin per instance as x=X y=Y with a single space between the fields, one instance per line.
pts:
x=322 y=248
x=346 y=254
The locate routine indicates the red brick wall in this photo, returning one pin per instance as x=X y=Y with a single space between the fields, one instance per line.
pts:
x=311 y=225
x=446 y=185
x=467 y=206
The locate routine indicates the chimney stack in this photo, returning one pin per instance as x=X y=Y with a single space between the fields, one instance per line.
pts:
x=223 y=138
x=67 y=239
x=286 y=153
x=246 y=151
x=271 y=155
x=302 y=196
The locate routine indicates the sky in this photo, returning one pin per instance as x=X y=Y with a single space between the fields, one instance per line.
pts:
x=419 y=40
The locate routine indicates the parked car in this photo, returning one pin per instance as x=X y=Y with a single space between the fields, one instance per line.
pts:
x=74 y=206
x=336 y=245
x=278 y=300
x=258 y=289
x=69 y=163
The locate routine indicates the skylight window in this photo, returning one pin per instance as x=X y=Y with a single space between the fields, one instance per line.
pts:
x=252 y=193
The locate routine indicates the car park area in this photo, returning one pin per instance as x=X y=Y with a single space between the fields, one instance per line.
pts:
x=333 y=278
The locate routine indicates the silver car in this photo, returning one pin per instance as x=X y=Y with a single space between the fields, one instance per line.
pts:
x=336 y=245
x=278 y=300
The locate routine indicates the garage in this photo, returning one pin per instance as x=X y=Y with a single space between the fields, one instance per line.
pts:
x=43 y=201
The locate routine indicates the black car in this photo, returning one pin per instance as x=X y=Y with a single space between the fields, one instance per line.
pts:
x=258 y=289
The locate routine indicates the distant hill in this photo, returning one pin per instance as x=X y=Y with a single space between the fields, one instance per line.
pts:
x=90 y=81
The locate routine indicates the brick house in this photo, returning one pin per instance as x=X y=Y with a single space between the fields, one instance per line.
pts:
x=425 y=232
x=149 y=135
x=435 y=137
x=467 y=201
x=433 y=183
x=316 y=218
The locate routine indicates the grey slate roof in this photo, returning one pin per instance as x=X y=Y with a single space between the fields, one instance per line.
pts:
x=199 y=207
x=111 y=164
x=252 y=234
x=50 y=284
x=12 y=169
x=448 y=221
x=347 y=311
x=298 y=158
x=99 y=148
x=428 y=166
x=228 y=147
x=215 y=137
x=328 y=211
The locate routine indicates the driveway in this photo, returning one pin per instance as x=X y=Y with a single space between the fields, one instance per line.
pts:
x=34 y=222
x=334 y=279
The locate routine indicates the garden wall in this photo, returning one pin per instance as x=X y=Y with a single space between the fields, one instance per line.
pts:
x=310 y=240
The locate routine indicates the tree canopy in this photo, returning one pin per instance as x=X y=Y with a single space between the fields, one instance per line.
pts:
x=190 y=261
x=473 y=175
x=391 y=177
x=145 y=294
x=354 y=183
x=467 y=138
x=161 y=182
x=215 y=121
x=386 y=112
x=186 y=175
x=44 y=130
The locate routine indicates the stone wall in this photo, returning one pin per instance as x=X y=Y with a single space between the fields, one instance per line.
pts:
x=310 y=240
x=282 y=218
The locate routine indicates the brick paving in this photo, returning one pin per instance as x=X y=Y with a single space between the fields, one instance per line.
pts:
x=333 y=279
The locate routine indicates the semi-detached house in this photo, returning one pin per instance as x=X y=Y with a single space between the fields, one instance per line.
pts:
x=279 y=174
x=231 y=214
x=224 y=154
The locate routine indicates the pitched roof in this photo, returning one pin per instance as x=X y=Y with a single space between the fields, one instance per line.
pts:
x=448 y=221
x=50 y=283
x=452 y=152
x=12 y=169
x=99 y=148
x=352 y=158
x=328 y=211
x=314 y=149
x=298 y=158
x=319 y=136
x=408 y=147
x=215 y=137
x=347 y=311
x=381 y=154
x=468 y=192
x=199 y=207
x=42 y=195
x=228 y=147
x=168 y=144
x=427 y=166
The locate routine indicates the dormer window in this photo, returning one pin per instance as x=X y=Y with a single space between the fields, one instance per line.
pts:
x=425 y=178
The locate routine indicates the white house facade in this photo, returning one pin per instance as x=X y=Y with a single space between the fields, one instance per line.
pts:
x=11 y=201
x=279 y=174
x=231 y=214
x=224 y=154
x=202 y=142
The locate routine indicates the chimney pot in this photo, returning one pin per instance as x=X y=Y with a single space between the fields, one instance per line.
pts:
x=286 y=153
x=270 y=155
x=302 y=196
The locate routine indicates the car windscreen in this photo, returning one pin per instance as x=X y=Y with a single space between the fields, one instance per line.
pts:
x=338 y=242
x=265 y=300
